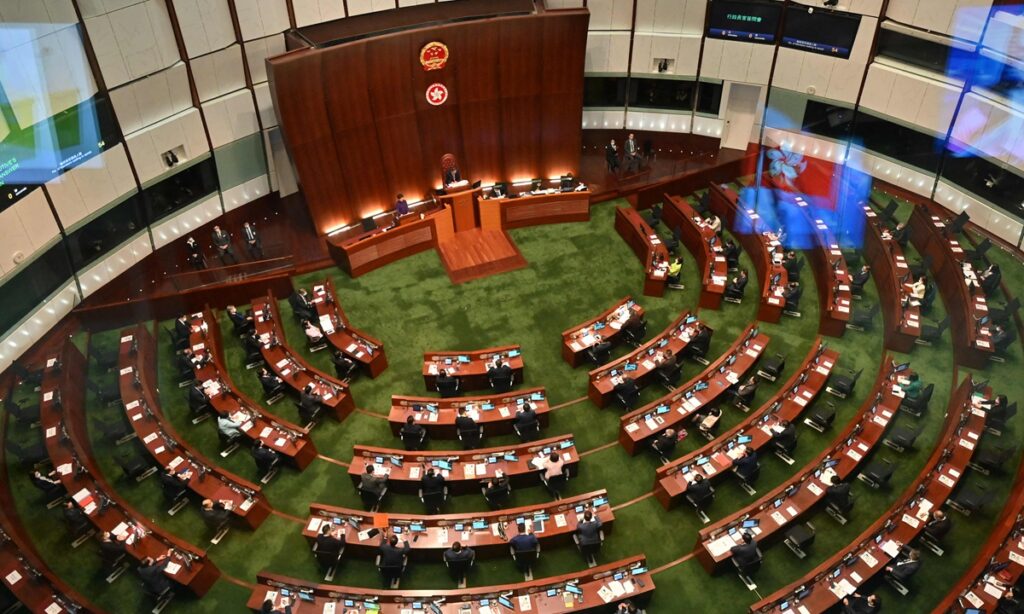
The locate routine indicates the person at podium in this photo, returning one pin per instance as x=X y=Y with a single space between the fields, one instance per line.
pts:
x=452 y=176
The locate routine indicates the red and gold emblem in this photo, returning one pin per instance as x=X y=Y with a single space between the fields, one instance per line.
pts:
x=437 y=93
x=434 y=56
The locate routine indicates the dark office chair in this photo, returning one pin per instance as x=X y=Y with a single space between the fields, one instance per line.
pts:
x=996 y=424
x=434 y=500
x=902 y=438
x=701 y=504
x=746 y=570
x=589 y=551
x=178 y=343
x=29 y=456
x=228 y=444
x=792 y=305
x=991 y=460
x=931 y=334
x=310 y=417
x=557 y=483
x=978 y=253
x=971 y=499
x=525 y=560
x=863 y=319
x=328 y=559
x=134 y=466
x=1000 y=349
x=79 y=530
x=799 y=539
x=627 y=399
x=772 y=368
x=502 y=383
x=114 y=564
x=672 y=241
x=371 y=500
x=599 y=357
x=670 y=379
x=108 y=394
x=1002 y=315
x=917 y=269
x=784 y=449
x=747 y=481
x=162 y=598
x=23 y=415
x=498 y=498
x=527 y=432
x=413 y=442
x=821 y=418
x=917 y=407
x=460 y=569
x=449 y=389
x=842 y=385
x=877 y=473
x=117 y=432
x=839 y=511
x=635 y=338
x=392 y=574
x=471 y=438
x=929 y=298
x=655 y=218
x=176 y=495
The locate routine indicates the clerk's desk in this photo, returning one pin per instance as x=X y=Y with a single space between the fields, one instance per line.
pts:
x=371 y=250
x=599 y=587
x=548 y=207
x=553 y=522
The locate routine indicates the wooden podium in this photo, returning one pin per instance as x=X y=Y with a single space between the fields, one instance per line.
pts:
x=463 y=201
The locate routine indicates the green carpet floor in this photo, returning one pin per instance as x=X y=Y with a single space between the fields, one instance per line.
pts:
x=575 y=272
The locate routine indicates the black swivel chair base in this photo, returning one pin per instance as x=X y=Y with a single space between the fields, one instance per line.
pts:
x=318 y=347
x=931 y=544
x=836 y=514
x=145 y=475
x=898 y=586
x=81 y=539
x=701 y=360
x=58 y=501
x=999 y=359
x=219 y=535
x=228 y=451
x=274 y=398
x=185 y=383
x=270 y=476
x=117 y=572
x=836 y=393
x=203 y=417
x=730 y=299
x=792 y=314
x=329 y=574
x=249 y=366
x=126 y=438
x=163 y=601
x=747 y=581
x=178 y=506
x=786 y=458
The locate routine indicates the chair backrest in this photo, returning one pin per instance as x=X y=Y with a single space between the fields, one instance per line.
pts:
x=926 y=394
x=856 y=376
x=327 y=558
x=874 y=310
x=448 y=162
x=1012 y=306
x=503 y=383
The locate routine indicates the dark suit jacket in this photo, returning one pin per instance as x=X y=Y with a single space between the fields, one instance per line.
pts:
x=787 y=437
x=452 y=175
x=744 y=554
x=745 y=465
x=502 y=372
x=525 y=418
x=589 y=532
x=465 y=423
x=839 y=494
x=938 y=528
x=182 y=329
x=447 y=383
x=701 y=342
x=153 y=576
x=698 y=490
x=523 y=542
x=329 y=544
x=904 y=569
x=859 y=605
x=372 y=483
x=626 y=388
x=433 y=483
x=451 y=556
x=392 y=556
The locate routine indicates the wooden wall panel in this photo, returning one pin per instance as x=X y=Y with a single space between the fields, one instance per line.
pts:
x=359 y=128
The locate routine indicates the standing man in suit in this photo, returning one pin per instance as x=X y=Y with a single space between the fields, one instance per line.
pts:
x=309 y=403
x=432 y=481
x=253 y=243
x=525 y=421
x=611 y=156
x=222 y=241
x=301 y=305
x=195 y=254
x=588 y=532
x=447 y=385
x=632 y=154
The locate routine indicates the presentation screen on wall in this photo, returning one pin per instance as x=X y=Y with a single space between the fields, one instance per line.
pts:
x=752 y=22
x=819 y=31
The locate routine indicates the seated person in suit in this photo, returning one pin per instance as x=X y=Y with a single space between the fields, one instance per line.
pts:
x=700 y=341
x=996 y=410
x=665 y=443
x=452 y=175
x=1001 y=338
x=938 y=526
x=792 y=295
x=838 y=494
x=918 y=288
x=301 y=305
x=792 y=264
x=309 y=402
x=265 y=457
x=1010 y=603
x=413 y=434
x=174 y=484
x=331 y=539
x=496 y=490
x=459 y=554
x=372 y=483
x=49 y=483
x=75 y=518
x=152 y=573
x=601 y=349
x=215 y=513
x=859 y=604
x=707 y=422
x=344 y=366
x=197 y=399
x=313 y=333
x=465 y=425
x=905 y=566
x=589 y=529
x=526 y=418
x=990 y=278
x=736 y=286
x=524 y=542
x=112 y=548
x=731 y=251
x=667 y=362
x=401 y=206
x=699 y=490
x=785 y=438
x=746 y=390
x=861 y=277
x=390 y=554
x=447 y=385
x=901 y=234
x=745 y=553
x=634 y=325
x=182 y=328
x=432 y=481
x=271 y=383
x=626 y=607
x=499 y=371
x=675 y=272
x=268 y=606
x=241 y=321
x=746 y=465
x=626 y=388
x=252 y=345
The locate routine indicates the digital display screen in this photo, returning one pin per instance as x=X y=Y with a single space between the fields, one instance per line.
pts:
x=820 y=31
x=754 y=22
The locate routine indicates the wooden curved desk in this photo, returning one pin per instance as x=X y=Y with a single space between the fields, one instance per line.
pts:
x=62 y=416
x=294 y=370
x=469 y=467
x=889 y=267
x=966 y=306
x=701 y=241
x=471 y=367
x=366 y=351
x=495 y=412
x=645 y=243
x=874 y=548
x=436 y=533
x=578 y=339
x=372 y=250
x=534 y=209
x=676 y=337
x=137 y=377
x=287 y=439
x=799 y=391
x=763 y=250
x=544 y=595
x=638 y=427
x=789 y=501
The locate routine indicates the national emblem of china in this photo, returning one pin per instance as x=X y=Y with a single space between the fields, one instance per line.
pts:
x=434 y=56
